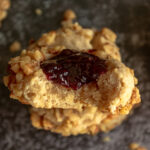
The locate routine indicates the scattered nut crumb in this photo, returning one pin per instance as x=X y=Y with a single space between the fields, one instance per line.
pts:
x=136 y=146
x=4 y=6
x=38 y=12
x=69 y=15
x=15 y=46
x=106 y=139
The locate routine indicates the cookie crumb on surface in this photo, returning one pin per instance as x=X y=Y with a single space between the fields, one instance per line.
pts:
x=136 y=146
x=38 y=11
x=15 y=46
x=106 y=139
x=4 y=6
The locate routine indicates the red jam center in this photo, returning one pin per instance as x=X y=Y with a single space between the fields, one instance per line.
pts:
x=73 y=69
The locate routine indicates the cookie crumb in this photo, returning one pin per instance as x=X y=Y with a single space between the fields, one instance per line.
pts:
x=15 y=46
x=69 y=15
x=136 y=146
x=4 y=6
x=106 y=139
x=38 y=11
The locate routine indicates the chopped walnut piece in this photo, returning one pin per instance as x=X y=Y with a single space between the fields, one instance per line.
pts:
x=19 y=77
x=109 y=34
x=47 y=38
x=15 y=68
x=136 y=146
x=69 y=15
x=38 y=55
x=26 y=68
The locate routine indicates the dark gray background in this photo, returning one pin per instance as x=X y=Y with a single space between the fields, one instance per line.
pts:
x=130 y=19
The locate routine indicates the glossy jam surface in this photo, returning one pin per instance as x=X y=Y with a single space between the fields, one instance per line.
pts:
x=73 y=69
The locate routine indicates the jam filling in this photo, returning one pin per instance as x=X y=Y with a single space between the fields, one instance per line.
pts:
x=73 y=69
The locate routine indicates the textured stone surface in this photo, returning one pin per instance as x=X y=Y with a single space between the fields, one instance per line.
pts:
x=128 y=18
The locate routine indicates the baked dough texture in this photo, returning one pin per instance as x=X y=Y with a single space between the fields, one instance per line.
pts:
x=4 y=6
x=88 y=121
x=94 y=107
